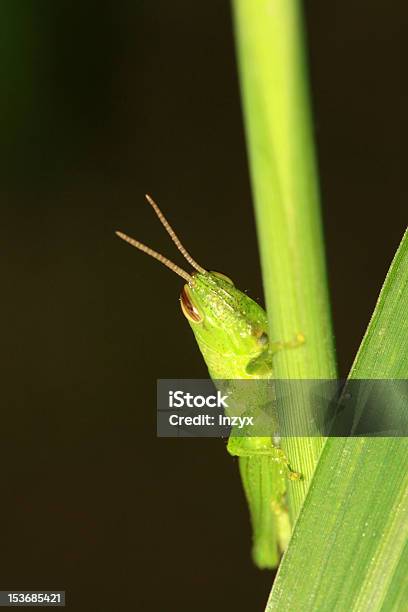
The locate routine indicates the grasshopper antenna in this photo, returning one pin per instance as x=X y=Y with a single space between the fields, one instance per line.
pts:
x=156 y=255
x=174 y=236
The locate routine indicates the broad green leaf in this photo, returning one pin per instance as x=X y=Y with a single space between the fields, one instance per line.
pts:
x=349 y=549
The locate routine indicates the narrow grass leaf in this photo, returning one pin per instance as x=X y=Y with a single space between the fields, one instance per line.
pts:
x=349 y=549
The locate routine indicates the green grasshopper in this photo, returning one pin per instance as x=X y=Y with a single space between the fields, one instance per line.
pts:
x=231 y=331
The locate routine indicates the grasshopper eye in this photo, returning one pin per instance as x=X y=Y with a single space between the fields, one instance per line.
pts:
x=188 y=308
x=223 y=276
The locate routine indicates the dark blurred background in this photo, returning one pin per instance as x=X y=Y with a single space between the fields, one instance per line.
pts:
x=100 y=103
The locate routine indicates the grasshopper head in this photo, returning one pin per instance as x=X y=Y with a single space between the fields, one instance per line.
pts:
x=225 y=321
x=230 y=328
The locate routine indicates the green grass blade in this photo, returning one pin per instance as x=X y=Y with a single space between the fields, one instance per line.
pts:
x=282 y=164
x=349 y=548
x=384 y=351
